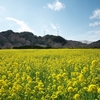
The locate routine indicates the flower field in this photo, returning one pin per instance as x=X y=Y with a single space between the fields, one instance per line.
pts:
x=50 y=74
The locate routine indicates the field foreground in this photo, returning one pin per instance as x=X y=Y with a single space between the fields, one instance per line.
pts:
x=53 y=74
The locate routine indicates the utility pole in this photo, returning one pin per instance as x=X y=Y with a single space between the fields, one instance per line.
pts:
x=57 y=33
x=44 y=33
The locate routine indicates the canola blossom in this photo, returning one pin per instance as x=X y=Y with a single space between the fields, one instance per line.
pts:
x=50 y=74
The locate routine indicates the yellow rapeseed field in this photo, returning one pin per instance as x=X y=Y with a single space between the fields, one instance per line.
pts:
x=50 y=74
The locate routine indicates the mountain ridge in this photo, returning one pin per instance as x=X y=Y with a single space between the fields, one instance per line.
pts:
x=10 y=39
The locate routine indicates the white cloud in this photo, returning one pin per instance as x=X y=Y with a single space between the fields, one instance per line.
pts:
x=22 y=24
x=93 y=35
x=53 y=26
x=94 y=24
x=96 y=14
x=2 y=9
x=95 y=32
x=56 y=6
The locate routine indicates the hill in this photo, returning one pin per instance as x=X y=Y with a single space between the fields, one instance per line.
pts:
x=95 y=44
x=10 y=39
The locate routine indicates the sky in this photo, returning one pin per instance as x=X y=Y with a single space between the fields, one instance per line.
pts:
x=71 y=19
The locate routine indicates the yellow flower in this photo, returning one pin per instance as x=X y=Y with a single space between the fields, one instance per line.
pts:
x=47 y=97
x=85 y=88
x=36 y=88
x=54 y=87
x=3 y=77
x=70 y=89
x=81 y=77
x=17 y=75
x=2 y=89
x=40 y=84
x=23 y=78
x=75 y=89
x=28 y=90
x=28 y=68
x=13 y=94
x=1 y=83
x=17 y=88
x=64 y=75
x=10 y=75
x=92 y=88
x=70 y=61
x=85 y=69
x=9 y=97
x=60 y=88
x=29 y=79
x=37 y=74
x=31 y=97
x=59 y=93
x=77 y=97
x=99 y=90
x=59 y=77
x=54 y=96
x=53 y=75
x=94 y=62
x=75 y=83
x=15 y=64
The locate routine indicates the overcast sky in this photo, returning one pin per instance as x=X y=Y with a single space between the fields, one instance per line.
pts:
x=74 y=19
